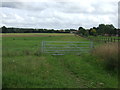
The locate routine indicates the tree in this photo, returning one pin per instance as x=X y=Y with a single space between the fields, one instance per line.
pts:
x=110 y=29
x=101 y=29
x=4 y=29
x=93 y=32
x=81 y=31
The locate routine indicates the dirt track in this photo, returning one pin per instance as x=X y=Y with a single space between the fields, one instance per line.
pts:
x=29 y=35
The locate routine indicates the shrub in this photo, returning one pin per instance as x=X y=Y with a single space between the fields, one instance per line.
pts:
x=37 y=53
x=26 y=52
x=109 y=53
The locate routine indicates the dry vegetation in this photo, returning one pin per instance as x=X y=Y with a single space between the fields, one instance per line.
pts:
x=109 y=53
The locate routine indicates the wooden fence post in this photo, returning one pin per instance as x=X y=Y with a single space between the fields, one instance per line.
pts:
x=108 y=40
x=111 y=39
x=114 y=39
x=105 y=40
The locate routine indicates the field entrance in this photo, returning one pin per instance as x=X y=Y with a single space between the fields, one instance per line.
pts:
x=66 y=47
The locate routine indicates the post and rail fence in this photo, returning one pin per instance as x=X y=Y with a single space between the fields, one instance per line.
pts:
x=102 y=39
x=105 y=39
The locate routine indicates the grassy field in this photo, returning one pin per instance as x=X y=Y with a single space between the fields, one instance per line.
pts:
x=24 y=66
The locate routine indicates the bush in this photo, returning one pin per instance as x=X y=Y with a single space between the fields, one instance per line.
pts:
x=109 y=53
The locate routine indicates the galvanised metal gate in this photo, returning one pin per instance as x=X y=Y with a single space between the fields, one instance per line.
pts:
x=66 y=47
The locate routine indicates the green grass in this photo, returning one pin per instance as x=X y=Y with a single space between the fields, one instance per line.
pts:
x=25 y=67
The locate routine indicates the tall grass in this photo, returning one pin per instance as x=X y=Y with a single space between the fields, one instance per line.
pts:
x=109 y=54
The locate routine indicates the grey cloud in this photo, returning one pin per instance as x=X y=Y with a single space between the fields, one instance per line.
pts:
x=65 y=7
x=12 y=4
x=34 y=6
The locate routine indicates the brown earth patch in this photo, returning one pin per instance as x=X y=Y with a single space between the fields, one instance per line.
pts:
x=26 y=35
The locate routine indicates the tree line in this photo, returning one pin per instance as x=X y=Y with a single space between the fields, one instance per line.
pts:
x=31 y=30
x=102 y=29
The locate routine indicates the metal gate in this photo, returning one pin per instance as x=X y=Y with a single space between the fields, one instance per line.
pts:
x=66 y=47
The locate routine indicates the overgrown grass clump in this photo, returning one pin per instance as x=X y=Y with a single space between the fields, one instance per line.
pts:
x=109 y=54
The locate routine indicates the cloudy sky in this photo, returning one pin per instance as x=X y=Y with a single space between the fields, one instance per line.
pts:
x=58 y=14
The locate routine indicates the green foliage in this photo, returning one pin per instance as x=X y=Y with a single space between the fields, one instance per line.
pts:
x=106 y=29
x=82 y=31
x=102 y=29
x=93 y=32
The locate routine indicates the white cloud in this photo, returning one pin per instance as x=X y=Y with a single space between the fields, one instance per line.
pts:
x=59 y=15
